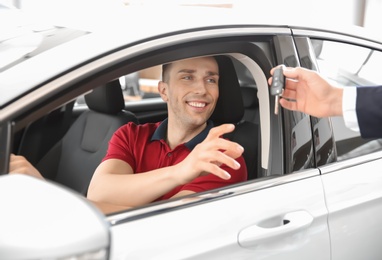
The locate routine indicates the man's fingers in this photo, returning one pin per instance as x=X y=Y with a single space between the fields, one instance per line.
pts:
x=231 y=149
x=216 y=170
x=289 y=94
x=215 y=151
x=220 y=130
x=234 y=151
x=290 y=105
x=13 y=162
x=216 y=142
x=289 y=72
x=290 y=77
x=273 y=69
x=220 y=158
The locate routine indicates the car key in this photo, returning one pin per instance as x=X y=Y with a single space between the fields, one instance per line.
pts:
x=277 y=87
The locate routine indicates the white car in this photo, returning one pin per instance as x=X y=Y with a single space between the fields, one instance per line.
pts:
x=314 y=189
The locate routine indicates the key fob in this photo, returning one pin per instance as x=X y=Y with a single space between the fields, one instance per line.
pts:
x=277 y=87
x=278 y=81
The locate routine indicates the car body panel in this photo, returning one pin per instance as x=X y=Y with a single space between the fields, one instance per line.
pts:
x=32 y=237
x=212 y=229
x=354 y=204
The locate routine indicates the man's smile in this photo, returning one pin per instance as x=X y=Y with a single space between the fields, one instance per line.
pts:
x=197 y=104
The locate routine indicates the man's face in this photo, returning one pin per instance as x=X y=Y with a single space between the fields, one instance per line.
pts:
x=191 y=90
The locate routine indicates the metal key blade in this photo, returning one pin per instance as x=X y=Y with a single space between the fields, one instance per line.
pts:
x=277 y=98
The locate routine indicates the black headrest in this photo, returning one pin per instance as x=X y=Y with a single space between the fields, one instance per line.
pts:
x=249 y=95
x=229 y=108
x=107 y=99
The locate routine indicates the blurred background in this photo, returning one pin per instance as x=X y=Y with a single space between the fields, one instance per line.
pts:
x=364 y=13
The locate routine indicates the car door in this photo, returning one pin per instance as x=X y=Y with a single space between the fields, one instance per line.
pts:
x=281 y=215
x=353 y=184
x=282 y=218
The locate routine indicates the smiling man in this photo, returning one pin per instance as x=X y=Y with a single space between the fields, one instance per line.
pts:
x=182 y=155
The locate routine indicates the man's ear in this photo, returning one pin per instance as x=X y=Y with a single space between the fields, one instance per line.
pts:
x=162 y=89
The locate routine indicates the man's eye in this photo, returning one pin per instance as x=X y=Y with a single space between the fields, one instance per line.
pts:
x=187 y=77
x=211 y=80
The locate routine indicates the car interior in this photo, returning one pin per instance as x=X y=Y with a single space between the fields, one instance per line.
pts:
x=68 y=144
x=73 y=158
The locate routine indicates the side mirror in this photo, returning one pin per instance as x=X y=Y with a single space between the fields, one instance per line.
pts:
x=42 y=220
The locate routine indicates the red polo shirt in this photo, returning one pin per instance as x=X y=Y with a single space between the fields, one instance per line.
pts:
x=144 y=149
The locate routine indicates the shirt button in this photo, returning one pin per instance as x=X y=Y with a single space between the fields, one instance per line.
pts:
x=169 y=154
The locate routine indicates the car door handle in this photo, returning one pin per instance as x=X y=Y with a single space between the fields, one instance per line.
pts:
x=274 y=228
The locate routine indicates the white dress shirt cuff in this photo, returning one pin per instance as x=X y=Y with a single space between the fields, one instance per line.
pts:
x=349 y=108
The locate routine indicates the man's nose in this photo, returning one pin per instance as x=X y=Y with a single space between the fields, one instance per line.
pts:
x=200 y=87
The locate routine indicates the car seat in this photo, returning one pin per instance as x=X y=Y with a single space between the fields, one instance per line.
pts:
x=73 y=160
x=230 y=109
x=251 y=104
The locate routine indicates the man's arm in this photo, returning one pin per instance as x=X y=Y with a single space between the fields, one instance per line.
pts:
x=369 y=111
x=115 y=182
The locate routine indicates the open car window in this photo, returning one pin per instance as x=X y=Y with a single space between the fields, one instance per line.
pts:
x=346 y=64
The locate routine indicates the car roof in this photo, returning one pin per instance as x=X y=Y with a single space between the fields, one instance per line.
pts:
x=152 y=21
x=125 y=27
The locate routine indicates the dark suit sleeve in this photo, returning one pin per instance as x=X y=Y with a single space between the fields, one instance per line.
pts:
x=369 y=111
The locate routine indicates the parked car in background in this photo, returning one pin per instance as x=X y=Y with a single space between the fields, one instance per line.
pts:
x=314 y=187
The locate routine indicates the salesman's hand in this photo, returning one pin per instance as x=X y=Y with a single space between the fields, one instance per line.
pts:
x=308 y=92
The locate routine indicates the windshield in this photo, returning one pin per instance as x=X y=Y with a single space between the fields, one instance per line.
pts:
x=22 y=36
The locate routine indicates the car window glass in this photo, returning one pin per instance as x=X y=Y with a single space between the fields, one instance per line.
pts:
x=349 y=65
x=141 y=84
x=369 y=69
x=136 y=86
x=298 y=142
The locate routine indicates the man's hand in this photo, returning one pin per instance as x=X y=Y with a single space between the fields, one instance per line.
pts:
x=19 y=164
x=306 y=91
x=209 y=155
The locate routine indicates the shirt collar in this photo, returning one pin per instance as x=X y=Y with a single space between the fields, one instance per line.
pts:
x=161 y=131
